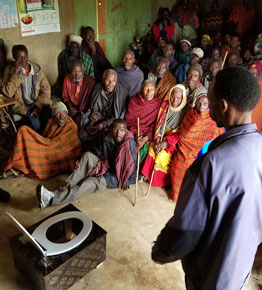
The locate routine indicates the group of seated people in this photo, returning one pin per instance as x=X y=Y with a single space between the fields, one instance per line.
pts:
x=106 y=117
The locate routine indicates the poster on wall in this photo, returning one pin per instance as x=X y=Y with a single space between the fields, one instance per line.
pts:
x=38 y=16
x=8 y=14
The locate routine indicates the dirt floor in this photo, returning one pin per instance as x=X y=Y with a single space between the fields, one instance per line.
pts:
x=131 y=232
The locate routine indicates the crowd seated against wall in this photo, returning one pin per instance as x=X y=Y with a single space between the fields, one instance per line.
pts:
x=149 y=118
x=167 y=93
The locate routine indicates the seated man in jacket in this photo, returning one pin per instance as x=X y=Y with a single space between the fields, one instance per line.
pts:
x=26 y=82
x=112 y=163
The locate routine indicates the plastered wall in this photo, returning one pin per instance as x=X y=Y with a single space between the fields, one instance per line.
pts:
x=44 y=48
x=124 y=20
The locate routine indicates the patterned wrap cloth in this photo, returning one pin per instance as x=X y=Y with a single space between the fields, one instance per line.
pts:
x=161 y=163
x=195 y=130
x=145 y=111
x=164 y=85
x=124 y=162
x=147 y=114
x=41 y=157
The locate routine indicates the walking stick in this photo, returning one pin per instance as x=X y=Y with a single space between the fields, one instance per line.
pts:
x=138 y=161
x=161 y=138
x=224 y=60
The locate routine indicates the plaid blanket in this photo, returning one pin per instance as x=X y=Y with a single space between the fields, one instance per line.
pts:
x=195 y=130
x=164 y=85
x=45 y=156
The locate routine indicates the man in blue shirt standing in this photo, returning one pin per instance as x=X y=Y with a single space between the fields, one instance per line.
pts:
x=217 y=224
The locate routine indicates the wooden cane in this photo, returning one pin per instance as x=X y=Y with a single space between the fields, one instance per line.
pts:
x=161 y=138
x=224 y=60
x=138 y=161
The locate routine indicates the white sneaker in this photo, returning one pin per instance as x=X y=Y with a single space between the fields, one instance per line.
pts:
x=44 y=196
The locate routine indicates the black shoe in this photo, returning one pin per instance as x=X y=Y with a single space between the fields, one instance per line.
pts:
x=4 y=196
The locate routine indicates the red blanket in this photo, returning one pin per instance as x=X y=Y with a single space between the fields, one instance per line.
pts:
x=145 y=111
x=195 y=130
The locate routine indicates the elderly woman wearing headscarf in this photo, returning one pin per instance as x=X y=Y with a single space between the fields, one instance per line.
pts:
x=53 y=153
x=160 y=152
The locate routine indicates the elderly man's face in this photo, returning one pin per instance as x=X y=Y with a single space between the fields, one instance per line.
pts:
x=214 y=107
x=194 y=58
x=110 y=81
x=61 y=118
x=77 y=73
x=89 y=36
x=74 y=49
x=184 y=47
x=148 y=91
x=161 y=68
x=168 y=50
x=176 y=97
x=215 y=68
x=202 y=104
x=193 y=79
x=128 y=61
x=119 y=132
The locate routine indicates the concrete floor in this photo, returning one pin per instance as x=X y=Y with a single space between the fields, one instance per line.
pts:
x=131 y=232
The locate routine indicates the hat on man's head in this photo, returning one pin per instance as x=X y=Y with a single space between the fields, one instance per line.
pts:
x=206 y=36
x=196 y=67
x=75 y=38
x=198 y=51
x=58 y=107
x=185 y=40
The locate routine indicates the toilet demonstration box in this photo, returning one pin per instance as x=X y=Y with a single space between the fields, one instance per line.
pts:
x=62 y=271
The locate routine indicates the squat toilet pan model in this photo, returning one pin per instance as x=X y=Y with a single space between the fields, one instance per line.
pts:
x=48 y=248
x=58 y=250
